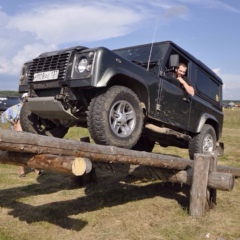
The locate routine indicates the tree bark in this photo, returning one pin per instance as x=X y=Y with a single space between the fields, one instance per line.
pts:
x=212 y=192
x=216 y=180
x=198 y=193
x=36 y=144
x=62 y=164
x=66 y=164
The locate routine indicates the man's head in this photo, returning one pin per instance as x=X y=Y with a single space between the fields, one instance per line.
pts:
x=181 y=70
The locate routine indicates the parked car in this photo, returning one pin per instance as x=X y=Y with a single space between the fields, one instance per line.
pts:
x=6 y=102
x=125 y=97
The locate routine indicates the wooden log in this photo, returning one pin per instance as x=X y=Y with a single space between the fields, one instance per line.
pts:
x=27 y=142
x=216 y=180
x=199 y=185
x=81 y=166
x=37 y=144
x=233 y=170
x=63 y=164
x=212 y=192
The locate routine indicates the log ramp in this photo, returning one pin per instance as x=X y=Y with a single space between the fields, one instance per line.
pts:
x=76 y=158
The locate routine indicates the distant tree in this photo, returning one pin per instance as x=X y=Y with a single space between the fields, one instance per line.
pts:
x=9 y=93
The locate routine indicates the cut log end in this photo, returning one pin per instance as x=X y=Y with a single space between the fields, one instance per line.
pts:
x=81 y=166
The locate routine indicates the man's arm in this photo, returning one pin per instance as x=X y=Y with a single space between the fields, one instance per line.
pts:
x=189 y=89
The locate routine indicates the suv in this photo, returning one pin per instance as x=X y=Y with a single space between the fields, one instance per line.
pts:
x=125 y=97
x=6 y=102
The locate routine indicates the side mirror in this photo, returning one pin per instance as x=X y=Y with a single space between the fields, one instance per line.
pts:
x=174 y=60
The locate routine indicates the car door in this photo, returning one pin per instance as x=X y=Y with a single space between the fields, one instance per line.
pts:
x=175 y=103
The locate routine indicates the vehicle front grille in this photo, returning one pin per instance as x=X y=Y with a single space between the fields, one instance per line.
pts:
x=50 y=63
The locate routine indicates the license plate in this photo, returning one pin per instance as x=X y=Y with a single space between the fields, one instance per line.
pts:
x=49 y=75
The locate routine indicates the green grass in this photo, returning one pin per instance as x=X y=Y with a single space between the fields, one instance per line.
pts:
x=118 y=206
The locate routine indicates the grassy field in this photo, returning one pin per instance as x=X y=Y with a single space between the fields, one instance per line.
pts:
x=118 y=206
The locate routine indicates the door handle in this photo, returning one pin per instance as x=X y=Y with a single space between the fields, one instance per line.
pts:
x=186 y=99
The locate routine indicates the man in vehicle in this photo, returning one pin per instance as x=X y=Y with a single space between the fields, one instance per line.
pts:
x=180 y=72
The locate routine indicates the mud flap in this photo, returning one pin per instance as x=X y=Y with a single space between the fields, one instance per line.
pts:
x=220 y=148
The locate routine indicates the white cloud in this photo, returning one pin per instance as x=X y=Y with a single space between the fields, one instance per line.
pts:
x=179 y=11
x=217 y=71
x=215 y=4
x=26 y=35
x=12 y=66
x=92 y=21
x=231 y=85
x=231 y=81
x=45 y=26
x=71 y=23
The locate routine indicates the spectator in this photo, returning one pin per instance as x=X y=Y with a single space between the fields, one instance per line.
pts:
x=11 y=115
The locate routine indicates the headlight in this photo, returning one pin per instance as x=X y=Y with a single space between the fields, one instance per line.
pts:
x=82 y=65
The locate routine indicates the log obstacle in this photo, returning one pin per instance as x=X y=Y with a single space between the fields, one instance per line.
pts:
x=79 y=166
x=62 y=164
x=69 y=156
x=37 y=144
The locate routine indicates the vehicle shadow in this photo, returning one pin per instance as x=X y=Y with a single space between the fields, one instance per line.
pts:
x=111 y=189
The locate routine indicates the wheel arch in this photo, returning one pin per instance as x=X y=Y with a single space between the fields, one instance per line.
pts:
x=211 y=120
x=137 y=87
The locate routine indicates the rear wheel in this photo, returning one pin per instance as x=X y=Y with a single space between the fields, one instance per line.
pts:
x=30 y=122
x=115 y=118
x=203 y=142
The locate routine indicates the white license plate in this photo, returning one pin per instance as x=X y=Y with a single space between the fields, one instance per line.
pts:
x=42 y=76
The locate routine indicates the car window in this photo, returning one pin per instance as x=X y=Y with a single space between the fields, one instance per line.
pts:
x=207 y=86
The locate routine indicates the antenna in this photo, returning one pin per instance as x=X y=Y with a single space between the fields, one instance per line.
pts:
x=154 y=34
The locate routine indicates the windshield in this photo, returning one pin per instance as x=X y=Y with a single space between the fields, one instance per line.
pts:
x=143 y=53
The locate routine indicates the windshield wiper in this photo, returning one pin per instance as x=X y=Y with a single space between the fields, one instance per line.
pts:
x=145 y=64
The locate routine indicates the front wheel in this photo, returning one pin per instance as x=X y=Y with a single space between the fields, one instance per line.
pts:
x=115 y=118
x=30 y=122
x=203 y=142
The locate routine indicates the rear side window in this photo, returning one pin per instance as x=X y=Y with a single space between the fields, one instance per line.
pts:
x=207 y=86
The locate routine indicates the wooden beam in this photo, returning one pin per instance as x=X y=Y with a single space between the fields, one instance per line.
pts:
x=216 y=180
x=198 y=192
x=37 y=144
x=62 y=164
x=211 y=191
x=79 y=166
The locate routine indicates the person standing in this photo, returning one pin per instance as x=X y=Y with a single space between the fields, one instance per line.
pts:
x=11 y=115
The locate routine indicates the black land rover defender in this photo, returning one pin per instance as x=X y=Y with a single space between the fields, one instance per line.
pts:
x=126 y=97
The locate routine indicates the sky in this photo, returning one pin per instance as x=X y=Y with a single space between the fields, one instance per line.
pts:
x=208 y=29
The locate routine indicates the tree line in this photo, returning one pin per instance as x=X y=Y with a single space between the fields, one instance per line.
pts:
x=9 y=93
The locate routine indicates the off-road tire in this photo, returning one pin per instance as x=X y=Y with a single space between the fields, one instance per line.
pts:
x=115 y=103
x=205 y=141
x=30 y=122
x=144 y=144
